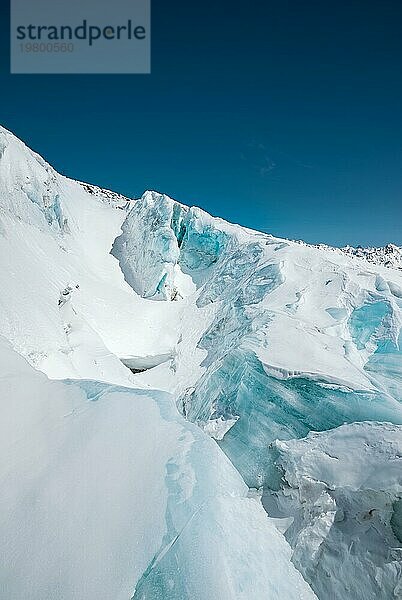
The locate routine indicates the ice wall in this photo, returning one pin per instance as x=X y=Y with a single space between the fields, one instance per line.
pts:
x=242 y=379
x=166 y=249
x=268 y=408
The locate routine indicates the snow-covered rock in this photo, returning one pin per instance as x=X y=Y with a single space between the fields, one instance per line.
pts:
x=388 y=256
x=108 y=196
x=385 y=256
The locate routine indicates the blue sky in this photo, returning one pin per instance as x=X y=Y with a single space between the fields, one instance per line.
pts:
x=283 y=116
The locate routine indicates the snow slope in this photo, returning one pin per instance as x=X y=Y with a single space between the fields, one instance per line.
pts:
x=100 y=481
x=55 y=234
x=253 y=338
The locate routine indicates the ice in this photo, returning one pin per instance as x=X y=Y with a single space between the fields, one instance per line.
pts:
x=148 y=255
x=166 y=250
x=201 y=246
x=343 y=489
x=385 y=366
x=267 y=408
x=274 y=394
x=366 y=320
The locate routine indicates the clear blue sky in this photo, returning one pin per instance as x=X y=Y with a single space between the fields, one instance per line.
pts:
x=283 y=116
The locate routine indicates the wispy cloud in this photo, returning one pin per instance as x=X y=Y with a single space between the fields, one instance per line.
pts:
x=265 y=160
x=257 y=155
x=267 y=166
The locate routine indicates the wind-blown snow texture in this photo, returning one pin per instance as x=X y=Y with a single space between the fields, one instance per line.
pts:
x=256 y=340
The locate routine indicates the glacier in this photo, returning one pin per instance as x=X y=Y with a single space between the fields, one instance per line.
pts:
x=175 y=389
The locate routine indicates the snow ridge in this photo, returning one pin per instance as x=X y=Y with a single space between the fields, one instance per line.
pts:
x=113 y=198
x=388 y=256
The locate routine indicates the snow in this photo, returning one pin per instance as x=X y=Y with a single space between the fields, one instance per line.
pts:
x=218 y=428
x=255 y=340
x=343 y=489
x=100 y=481
x=74 y=523
x=40 y=258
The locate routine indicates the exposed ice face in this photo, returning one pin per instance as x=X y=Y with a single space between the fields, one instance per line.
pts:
x=366 y=321
x=343 y=489
x=267 y=408
x=166 y=250
x=342 y=336
x=148 y=255
x=24 y=175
